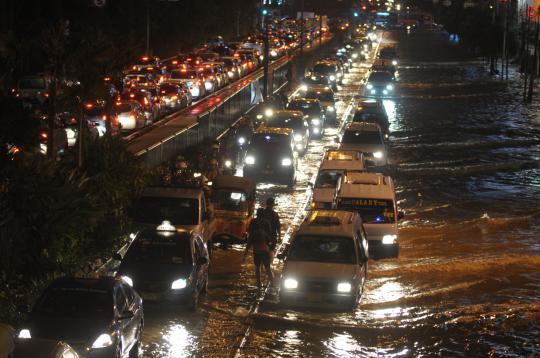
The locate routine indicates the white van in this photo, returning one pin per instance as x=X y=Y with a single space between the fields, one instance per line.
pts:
x=326 y=262
x=372 y=196
x=335 y=164
x=367 y=138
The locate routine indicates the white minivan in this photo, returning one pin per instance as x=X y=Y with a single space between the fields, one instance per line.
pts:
x=367 y=138
x=372 y=196
x=326 y=262
x=335 y=164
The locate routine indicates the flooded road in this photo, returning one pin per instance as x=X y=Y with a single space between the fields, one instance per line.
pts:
x=464 y=154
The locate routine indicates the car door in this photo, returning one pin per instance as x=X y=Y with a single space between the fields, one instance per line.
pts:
x=202 y=270
x=133 y=306
x=197 y=276
x=121 y=306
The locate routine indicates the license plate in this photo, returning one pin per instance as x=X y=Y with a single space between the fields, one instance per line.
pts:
x=150 y=296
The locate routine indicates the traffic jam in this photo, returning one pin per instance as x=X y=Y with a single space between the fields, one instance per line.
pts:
x=188 y=221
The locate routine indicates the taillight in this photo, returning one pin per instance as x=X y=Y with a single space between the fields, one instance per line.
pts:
x=104 y=117
x=44 y=135
x=132 y=117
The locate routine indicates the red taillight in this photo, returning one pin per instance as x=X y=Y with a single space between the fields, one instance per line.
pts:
x=44 y=135
x=104 y=117
x=174 y=98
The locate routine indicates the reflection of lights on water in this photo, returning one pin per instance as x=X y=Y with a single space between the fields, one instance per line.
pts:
x=343 y=345
x=389 y=291
x=180 y=341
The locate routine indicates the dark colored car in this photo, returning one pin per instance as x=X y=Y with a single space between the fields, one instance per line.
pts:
x=295 y=121
x=270 y=156
x=372 y=111
x=314 y=112
x=97 y=317
x=167 y=264
x=314 y=79
x=380 y=84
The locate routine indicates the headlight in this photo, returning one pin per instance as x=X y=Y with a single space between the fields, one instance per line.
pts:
x=344 y=287
x=70 y=133
x=179 y=284
x=389 y=239
x=330 y=109
x=316 y=130
x=250 y=160
x=128 y=280
x=241 y=140
x=303 y=88
x=259 y=116
x=316 y=121
x=389 y=87
x=269 y=112
x=228 y=164
x=273 y=53
x=24 y=334
x=354 y=55
x=290 y=283
x=231 y=74
x=332 y=78
x=104 y=340
x=378 y=155
x=394 y=62
x=369 y=86
x=298 y=137
x=286 y=162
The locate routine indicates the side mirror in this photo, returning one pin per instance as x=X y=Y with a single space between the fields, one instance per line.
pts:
x=400 y=215
x=201 y=261
x=116 y=256
x=126 y=315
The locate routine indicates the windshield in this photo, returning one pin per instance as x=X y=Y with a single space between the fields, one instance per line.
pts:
x=183 y=75
x=361 y=137
x=330 y=249
x=285 y=122
x=328 y=179
x=324 y=68
x=230 y=200
x=32 y=83
x=306 y=107
x=372 y=211
x=380 y=77
x=160 y=251
x=76 y=302
x=155 y=210
x=320 y=95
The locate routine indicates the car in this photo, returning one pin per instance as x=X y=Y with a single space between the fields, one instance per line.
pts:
x=331 y=70
x=185 y=207
x=325 y=265
x=314 y=79
x=36 y=347
x=314 y=113
x=380 y=84
x=173 y=96
x=129 y=115
x=70 y=123
x=294 y=120
x=147 y=101
x=373 y=111
x=60 y=133
x=100 y=317
x=325 y=95
x=373 y=196
x=270 y=156
x=166 y=264
x=233 y=66
x=212 y=81
x=335 y=164
x=389 y=53
x=193 y=79
x=95 y=113
x=366 y=138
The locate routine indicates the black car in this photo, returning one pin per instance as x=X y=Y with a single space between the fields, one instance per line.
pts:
x=270 y=156
x=97 y=317
x=372 y=111
x=314 y=113
x=166 y=265
x=380 y=84
x=314 y=79
x=294 y=120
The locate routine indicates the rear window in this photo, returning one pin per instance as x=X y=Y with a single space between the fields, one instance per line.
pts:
x=123 y=108
x=155 y=210
x=154 y=250
x=328 y=178
x=320 y=95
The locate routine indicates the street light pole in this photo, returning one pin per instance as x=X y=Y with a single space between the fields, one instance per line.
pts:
x=265 y=60
x=148 y=27
x=301 y=58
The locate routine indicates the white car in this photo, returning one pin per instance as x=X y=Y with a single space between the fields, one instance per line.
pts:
x=367 y=138
x=326 y=262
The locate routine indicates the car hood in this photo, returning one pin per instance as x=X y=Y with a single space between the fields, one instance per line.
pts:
x=377 y=231
x=324 y=195
x=155 y=272
x=74 y=330
x=308 y=270
x=364 y=148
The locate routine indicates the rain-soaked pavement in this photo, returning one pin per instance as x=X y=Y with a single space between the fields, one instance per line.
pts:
x=464 y=154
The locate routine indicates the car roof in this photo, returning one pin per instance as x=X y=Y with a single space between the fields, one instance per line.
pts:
x=320 y=88
x=153 y=233
x=102 y=283
x=270 y=130
x=367 y=185
x=328 y=222
x=364 y=126
x=288 y=114
x=173 y=192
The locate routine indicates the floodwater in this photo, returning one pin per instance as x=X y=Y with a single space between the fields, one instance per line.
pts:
x=464 y=154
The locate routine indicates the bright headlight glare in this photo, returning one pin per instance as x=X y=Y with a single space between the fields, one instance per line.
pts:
x=250 y=160
x=369 y=86
x=344 y=287
x=179 y=284
x=316 y=121
x=128 y=280
x=228 y=163
x=389 y=87
x=389 y=239
x=259 y=116
x=330 y=109
x=394 y=62
x=286 y=162
x=273 y=53
x=354 y=55
x=332 y=78
x=241 y=140
x=378 y=155
x=24 y=334
x=269 y=112
x=303 y=88
x=290 y=283
x=104 y=340
x=298 y=137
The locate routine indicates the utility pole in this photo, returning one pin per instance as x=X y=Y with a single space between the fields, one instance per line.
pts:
x=148 y=27
x=265 y=62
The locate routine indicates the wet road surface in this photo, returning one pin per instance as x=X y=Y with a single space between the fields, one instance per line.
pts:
x=464 y=155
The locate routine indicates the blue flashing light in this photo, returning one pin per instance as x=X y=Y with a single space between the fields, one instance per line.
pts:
x=265 y=12
x=356 y=14
x=378 y=219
